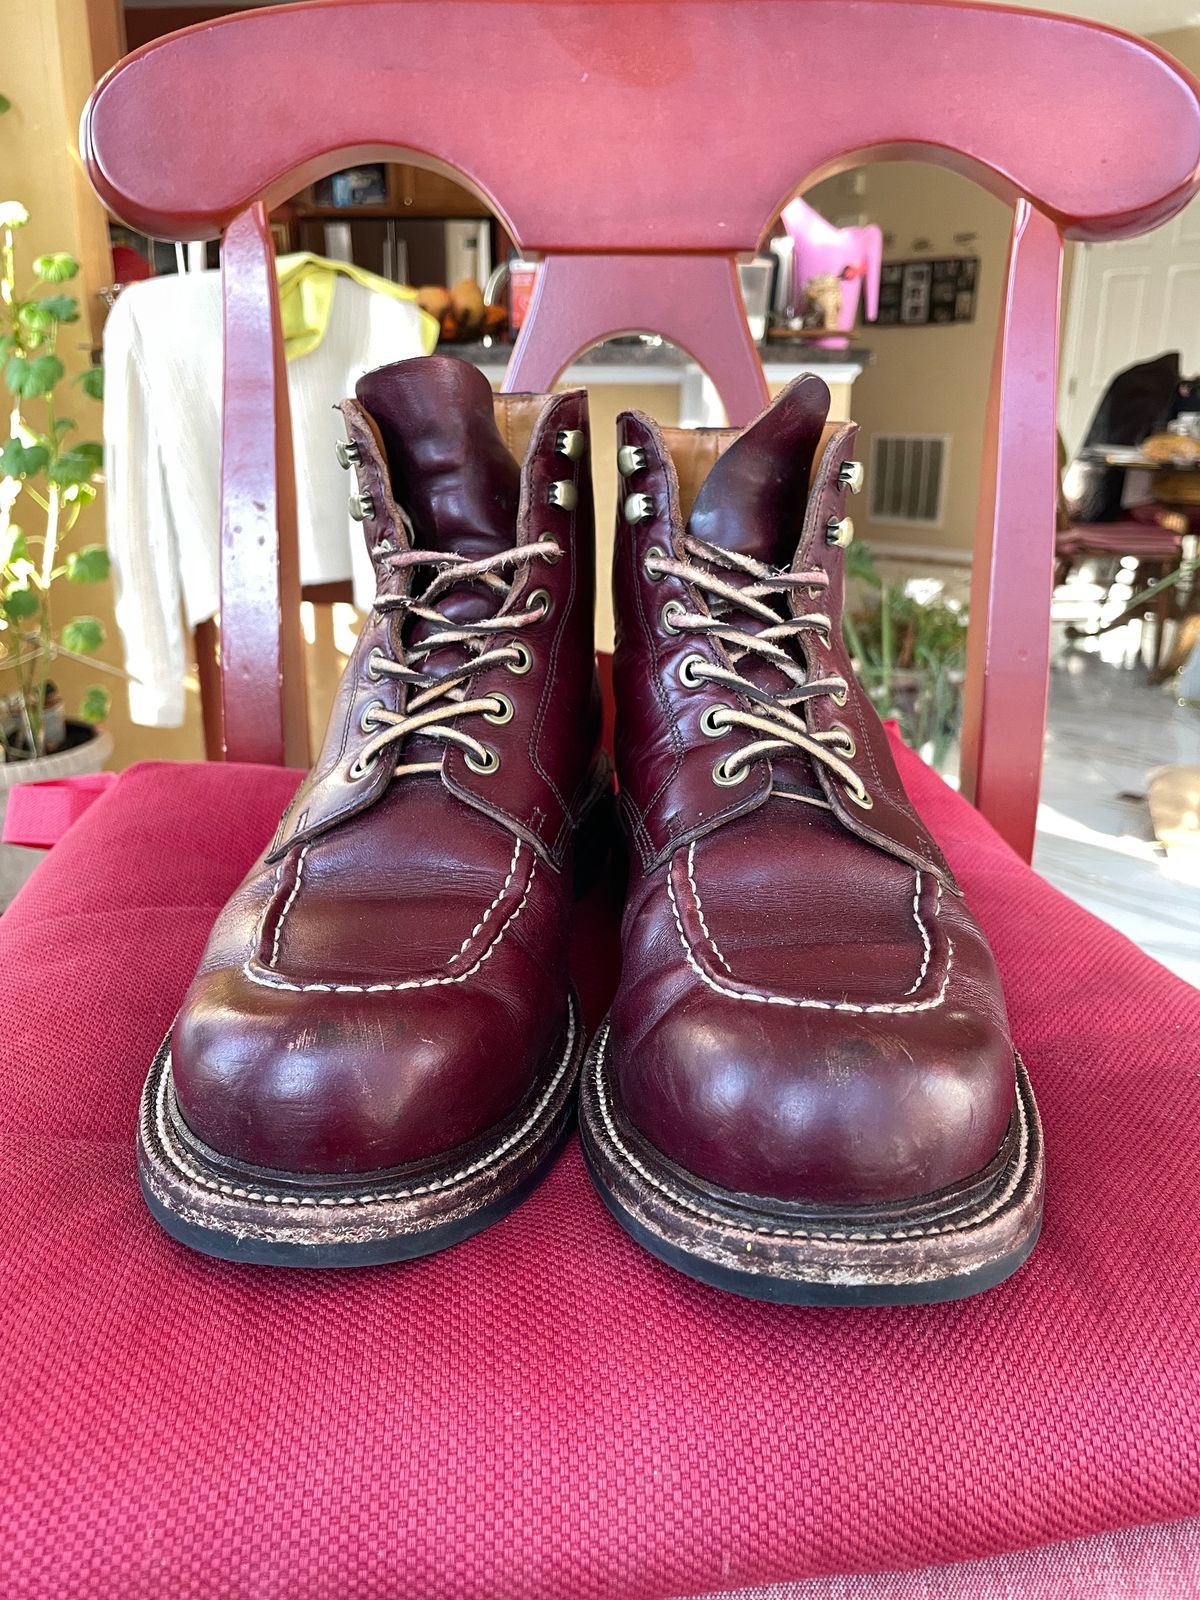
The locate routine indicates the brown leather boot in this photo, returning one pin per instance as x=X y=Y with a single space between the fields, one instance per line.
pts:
x=806 y=1090
x=378 y=1054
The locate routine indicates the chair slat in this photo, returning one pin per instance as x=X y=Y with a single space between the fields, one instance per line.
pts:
x=1012 y=579
x=262 y=662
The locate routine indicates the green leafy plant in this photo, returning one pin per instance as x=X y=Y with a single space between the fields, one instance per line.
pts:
x=49 y=475
x=910 y=648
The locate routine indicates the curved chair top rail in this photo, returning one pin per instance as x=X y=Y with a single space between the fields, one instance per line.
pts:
x=644 y=125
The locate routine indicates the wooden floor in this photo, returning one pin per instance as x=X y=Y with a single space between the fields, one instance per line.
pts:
x=1107 y=730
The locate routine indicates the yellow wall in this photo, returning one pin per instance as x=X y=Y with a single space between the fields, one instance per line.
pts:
x=930 y=379
x=48 y=75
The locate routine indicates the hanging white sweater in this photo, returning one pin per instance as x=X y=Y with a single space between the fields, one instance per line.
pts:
x=162 y=448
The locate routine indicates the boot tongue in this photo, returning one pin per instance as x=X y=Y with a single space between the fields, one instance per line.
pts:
x=450 y=469
x=753 y=502
x=753 y=499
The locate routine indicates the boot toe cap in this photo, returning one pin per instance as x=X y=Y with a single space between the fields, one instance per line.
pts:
x=817 y=1106
x=338 y=1083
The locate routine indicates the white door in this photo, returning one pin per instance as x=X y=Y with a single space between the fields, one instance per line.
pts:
x=1130 y=300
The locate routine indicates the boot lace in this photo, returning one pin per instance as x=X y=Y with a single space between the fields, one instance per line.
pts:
x=440 y=698
x=775 y=722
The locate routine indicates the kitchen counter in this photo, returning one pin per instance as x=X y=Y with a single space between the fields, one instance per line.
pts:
x=632 y=363
x=674 y=389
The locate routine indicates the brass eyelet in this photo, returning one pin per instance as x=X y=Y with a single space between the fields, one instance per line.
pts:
x=688 y=668
x=360 y=768
x=862 y=800
x=849 y=748
x=709 y=726
x=726 y=778
x=491 y=764
x=504 y=713
x=367 y=720
x=520 y=667
x=673 y=608
x=654 y=552
x=540 y=597
x=570 y=442
x=375 y=656
x=551 y=549
x=563 y=495
x=840 y=696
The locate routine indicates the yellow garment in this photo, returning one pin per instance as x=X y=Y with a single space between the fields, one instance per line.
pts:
x=306 y=285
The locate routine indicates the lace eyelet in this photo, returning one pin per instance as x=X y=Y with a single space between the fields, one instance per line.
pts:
x=520 y=667
x=360 y=769
x=375 y=656
x=540 y=597
x=709 y=726
x=850 y=748
x=688 y=671
x=840 y=696
x=654 y=552
x=551 y=549
x=673 y=608
x=367 y=721
x=492 y=764
x=504 y=713
x=726 y=778
x=863 y=800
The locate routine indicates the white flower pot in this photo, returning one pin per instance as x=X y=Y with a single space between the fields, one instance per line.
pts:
x=90 y=755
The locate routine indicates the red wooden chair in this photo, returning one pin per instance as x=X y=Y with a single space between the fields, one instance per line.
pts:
x=546 y=1411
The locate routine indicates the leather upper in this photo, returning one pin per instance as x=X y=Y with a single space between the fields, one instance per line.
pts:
x=390 y=979
x=807 y=1009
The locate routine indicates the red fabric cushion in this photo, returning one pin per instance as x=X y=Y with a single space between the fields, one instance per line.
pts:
x=546 y=1411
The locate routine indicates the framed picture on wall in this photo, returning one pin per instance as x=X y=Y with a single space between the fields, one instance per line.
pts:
x=914 y=294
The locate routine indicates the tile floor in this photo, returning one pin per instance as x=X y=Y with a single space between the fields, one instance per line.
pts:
x=1107 y=730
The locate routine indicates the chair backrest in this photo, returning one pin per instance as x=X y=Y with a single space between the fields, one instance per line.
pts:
x=639 y=147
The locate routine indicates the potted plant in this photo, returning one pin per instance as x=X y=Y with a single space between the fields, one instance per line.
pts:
x=48 y=476
x=909 y=645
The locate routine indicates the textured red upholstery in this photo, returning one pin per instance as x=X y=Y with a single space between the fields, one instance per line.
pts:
x=546 y=1411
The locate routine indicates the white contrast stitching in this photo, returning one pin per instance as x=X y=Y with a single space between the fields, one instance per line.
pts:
x=924 y=931
x=689 y=1204
x=712 y=943
x=512 y=872
x=258 y=974
x=363 y=1197
x=287 y=903
x=805 y=1003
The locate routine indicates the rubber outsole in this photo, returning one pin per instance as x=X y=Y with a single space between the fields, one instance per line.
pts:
x=936 y=1248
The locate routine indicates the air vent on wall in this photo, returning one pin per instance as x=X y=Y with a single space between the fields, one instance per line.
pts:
x=908 y=478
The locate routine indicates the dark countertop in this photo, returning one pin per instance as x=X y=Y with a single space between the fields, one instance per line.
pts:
x=666 y=357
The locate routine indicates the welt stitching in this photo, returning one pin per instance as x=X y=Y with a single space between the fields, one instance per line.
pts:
x=178 y=1159
x=806 y=1003
x=996 y=1204
x=257 y=974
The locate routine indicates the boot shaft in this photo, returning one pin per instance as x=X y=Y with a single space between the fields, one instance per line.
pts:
x=496 y=491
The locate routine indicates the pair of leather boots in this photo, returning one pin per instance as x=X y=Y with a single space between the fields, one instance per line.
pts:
x=805 y=1089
